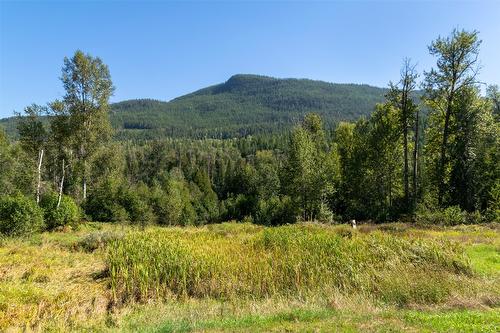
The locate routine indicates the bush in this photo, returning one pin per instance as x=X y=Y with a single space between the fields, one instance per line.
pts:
x=237 y=207
x=68 y=212
x=20 y=215
x=493 y=212
x=449 y=216
x=275 y=211
x=138 y=209
x=98 y=240
x=102 y=205
x=325 y=215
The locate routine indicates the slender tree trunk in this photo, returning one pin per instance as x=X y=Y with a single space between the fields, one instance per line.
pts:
x=415 y=159
x=61 y=185
x=54 y=175
x=442 y=164
x=84 y=180
x=405 y=172
x=38 y=185
x=405 y=114
x=84 y=188
x=390 y=188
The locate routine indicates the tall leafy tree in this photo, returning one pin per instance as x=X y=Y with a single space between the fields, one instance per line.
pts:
x=457 y=57
x=88 y=87
x=474 y=151
x=304 y=173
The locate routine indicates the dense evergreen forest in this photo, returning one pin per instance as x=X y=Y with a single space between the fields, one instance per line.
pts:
x=244 y=105
x=437 y=166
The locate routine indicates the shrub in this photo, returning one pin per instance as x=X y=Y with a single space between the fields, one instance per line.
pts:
x=98 y=240
x=474 y=217
x=449 y=216
x=325 y=215
x=137 y=208
x=68 y=212
x=453 y=216
x=20 y=215
x=493 y=211
x=101 y=204
x=275 y=211
x=239 y=206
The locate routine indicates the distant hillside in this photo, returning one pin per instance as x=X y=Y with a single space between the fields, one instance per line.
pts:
x=243 y=105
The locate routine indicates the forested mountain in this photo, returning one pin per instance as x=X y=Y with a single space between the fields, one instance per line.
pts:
x=406 y=159
x=243 y=105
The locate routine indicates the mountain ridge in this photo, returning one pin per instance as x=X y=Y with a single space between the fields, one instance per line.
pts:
x=245 y=104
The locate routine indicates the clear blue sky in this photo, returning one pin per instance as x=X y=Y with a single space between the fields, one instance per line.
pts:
x=165 y=49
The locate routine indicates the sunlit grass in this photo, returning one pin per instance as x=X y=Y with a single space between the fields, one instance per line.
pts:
x=290 y=260
x=242 y=277
x=485 y=258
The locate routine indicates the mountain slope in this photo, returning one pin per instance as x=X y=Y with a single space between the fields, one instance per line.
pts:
x=243 y=105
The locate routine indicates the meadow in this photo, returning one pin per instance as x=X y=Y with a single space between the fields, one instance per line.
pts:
x=243 y=277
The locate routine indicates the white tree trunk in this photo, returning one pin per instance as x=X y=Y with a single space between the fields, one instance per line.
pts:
x=84 y=179
x=38 y=185
x=61 y=186
x=84 y=189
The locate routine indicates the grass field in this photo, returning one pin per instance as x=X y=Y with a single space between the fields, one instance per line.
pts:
x=241 y=277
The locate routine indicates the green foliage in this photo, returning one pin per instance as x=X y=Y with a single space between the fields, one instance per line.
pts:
x=134 y=201
x=371 y=162
x=238 y=207
x=179 y=209
x=493 y=211
x=304 y=174
x=81 y=118
x=225 y=152
x=16 y=172
x=102 y=204
x=19 y=215
x=449 y=216
x=276 y=211
x=68 y=212
x=450 y=94
x=116 y=202
x=32 y=132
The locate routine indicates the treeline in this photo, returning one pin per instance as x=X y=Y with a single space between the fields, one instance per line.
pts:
x=437 y=166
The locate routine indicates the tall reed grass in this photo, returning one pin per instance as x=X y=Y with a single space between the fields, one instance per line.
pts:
x=245 y=261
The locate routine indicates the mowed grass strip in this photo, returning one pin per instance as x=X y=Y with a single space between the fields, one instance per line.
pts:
x=247 y=261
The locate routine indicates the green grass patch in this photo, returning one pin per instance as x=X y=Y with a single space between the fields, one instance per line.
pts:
x=455 y=321
x=485 y=258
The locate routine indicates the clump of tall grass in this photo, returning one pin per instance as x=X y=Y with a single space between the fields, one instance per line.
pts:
x=97 y=240
x=287 y=260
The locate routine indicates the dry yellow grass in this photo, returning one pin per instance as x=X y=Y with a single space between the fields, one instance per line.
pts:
x=45 y=285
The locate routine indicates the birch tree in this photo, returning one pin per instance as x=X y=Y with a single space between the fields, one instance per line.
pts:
x=33 y=138
x=88 y=87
